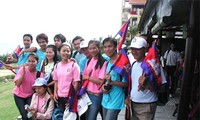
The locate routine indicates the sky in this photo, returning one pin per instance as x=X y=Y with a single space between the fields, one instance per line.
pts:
x=87 y=18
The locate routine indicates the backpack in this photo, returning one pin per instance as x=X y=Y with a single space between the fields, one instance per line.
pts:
x=74 y=55
x=57 y=114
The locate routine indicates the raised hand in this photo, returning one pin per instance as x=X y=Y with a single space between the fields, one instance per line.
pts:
x=141 y=81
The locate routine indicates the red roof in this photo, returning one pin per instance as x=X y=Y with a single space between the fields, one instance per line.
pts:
x=137 y=2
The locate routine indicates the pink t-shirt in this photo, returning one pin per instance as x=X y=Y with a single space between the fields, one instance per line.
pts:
x=25 y=89
x=64 y=74
x=96 y=73
x=41 y=103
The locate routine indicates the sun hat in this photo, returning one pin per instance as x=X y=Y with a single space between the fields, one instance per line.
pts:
x=40 y=82
x=84 y=44
x=138 y=42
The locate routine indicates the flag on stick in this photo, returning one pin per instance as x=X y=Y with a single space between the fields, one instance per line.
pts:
x=151 y=67
x=122 y=32
x=17 y=51
x=84 y=86
x=122 y=66
x=1 y=64
x=73 y=99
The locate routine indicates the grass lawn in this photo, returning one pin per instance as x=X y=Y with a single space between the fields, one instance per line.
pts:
x=8 y=108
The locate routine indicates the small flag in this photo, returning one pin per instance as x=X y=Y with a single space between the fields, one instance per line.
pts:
x=73 y=99
x=122 y=33
x=84 y=86
x=1 y=64
x=122 y=66
x=151 y=67
x=17 y=51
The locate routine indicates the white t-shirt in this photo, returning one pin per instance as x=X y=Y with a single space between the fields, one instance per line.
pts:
x=172 y=57
x=145 y=96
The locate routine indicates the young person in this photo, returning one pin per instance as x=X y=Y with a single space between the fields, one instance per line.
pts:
x=94 y=71
x=172 y=58
x=66 y=74
x=59 y=39
x=24 y=80
x=42 y=105
x=49 y=63
x=77 y=54
x=84 y=49
x=25 y=51
x=143 y=96
x=42 y=40
x=113 y=97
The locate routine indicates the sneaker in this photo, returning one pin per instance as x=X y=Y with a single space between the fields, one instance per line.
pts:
x=19 y=117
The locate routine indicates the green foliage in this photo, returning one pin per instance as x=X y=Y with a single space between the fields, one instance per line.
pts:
x=3 y=57
x=133 y=30
x=8 y=77
x=8 y=108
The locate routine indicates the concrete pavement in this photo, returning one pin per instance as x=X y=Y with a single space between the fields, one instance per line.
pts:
x=162 y=112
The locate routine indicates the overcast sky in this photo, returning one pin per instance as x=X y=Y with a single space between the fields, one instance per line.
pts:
x=87 y=18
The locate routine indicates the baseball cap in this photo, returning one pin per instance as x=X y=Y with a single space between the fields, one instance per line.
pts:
x=84 y=44
x=40 y=82
x=138 y=42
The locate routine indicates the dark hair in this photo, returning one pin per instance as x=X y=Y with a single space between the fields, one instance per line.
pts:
x=34 y=55
x=55 y=58
x=101 y=59
x=111 y=40
x=28 y=35
x=42 y=36
x=61 y=37
x=76 y=38
x=65 y=45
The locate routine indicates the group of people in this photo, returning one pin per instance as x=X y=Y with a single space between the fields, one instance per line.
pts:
x=46 y=75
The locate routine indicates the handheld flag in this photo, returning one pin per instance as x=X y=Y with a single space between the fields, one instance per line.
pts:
x=1 y=64
x=151 y=67
x=17 y=51
x=122 y=66
x=73 y=99
x=84 y=86
x=122 y=33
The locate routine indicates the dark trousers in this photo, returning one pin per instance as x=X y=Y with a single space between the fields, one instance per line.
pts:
x=20 y=103
x=172 y=81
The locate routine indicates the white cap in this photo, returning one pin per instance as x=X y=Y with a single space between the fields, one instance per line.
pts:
x=40 y=82
x=138 y=42
x=84 y=44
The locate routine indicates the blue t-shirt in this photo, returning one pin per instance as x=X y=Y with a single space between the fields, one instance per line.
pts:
x=78 y=56
x=82 y=64
x=115 y=98
x=41 y=56
x=23 y=58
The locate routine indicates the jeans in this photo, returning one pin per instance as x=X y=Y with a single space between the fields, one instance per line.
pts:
x=94 y=108
x=20 y=103
x=61 y=103
x=109 y=114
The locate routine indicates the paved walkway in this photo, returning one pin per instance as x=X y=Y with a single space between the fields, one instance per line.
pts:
x=162 y=112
